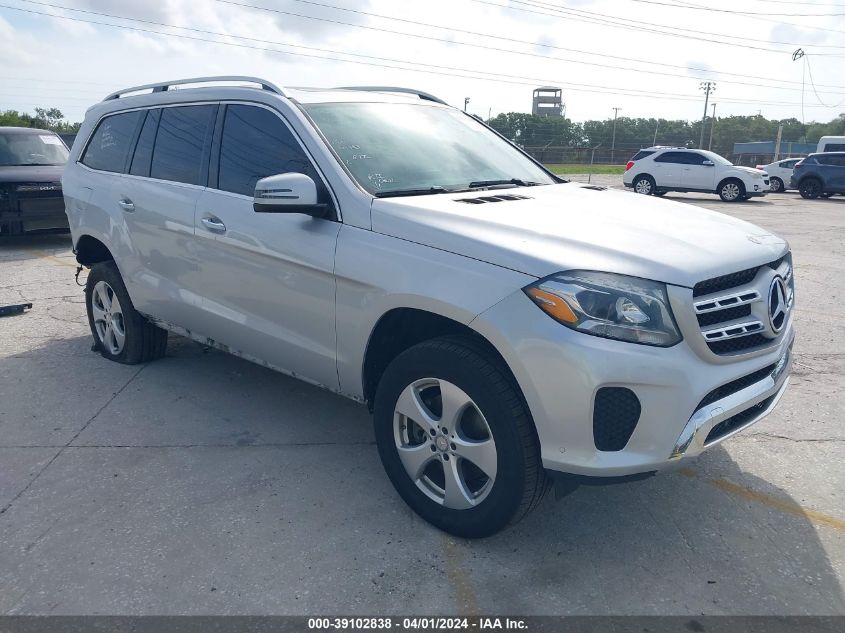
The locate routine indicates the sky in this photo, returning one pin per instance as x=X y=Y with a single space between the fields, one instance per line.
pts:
x=646 y=57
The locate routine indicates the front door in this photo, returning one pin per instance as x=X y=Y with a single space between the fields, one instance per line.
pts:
x=697 y=174
x=267 y=278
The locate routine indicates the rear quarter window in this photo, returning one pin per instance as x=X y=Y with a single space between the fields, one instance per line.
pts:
x=109 y=146
x=642 y=154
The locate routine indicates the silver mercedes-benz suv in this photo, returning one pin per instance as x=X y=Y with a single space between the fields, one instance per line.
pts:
x=507 y=328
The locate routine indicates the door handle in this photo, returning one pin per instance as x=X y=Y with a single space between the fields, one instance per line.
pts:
x=214 y=225
x=126 y=204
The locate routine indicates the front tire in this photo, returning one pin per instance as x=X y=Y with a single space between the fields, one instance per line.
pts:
x=120 y=333
x=732 y=190
x=644 y=185
x=456 y=438
x=810 y=188
x=776 y=185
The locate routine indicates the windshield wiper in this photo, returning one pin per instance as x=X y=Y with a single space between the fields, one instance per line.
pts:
x=396 y=193
x=477 y=184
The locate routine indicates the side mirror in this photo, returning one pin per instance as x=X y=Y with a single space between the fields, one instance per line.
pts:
x=288 y=193
x=708 y=163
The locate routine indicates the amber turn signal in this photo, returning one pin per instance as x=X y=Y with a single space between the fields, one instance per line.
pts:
x=552 y=305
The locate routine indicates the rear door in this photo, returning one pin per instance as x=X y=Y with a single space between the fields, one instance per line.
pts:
x=697 y=175
x=835 y=173
x=668 y=168
x=267 y=279
x=167 y=172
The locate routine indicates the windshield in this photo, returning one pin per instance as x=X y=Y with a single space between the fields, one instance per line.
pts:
x=18 y=149
x=420 y=148
x=719 y=160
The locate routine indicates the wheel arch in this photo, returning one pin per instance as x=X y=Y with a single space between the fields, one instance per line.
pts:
x=91 y=250
x=730 y=178
x=401 y=328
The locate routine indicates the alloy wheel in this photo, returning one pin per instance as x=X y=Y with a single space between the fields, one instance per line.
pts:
x=445 y=443
x=643 y=186
x=108 y=318
x=730 y=191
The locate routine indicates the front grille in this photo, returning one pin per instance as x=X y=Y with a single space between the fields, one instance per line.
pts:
x=737 y=421
x=615 y=415
x=736 y=385
x=732 y=280
x=732 y=311
x=741 y=344
x=712 y=318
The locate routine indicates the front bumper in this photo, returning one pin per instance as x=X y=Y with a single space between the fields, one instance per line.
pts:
x=30 y=210
x=560 y=372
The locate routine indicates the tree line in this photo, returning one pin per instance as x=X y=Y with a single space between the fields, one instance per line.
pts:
x=44 y=118
x=536 y=132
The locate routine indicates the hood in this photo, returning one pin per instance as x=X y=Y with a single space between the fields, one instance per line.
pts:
x=31 y=173
x=750 y=170
x=571 y=226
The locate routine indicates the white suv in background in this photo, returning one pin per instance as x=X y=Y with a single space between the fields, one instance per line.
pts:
x=657 y=170
x=505 y=327
x=780 y=173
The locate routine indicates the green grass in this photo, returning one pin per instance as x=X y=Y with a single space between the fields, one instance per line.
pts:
x=611 y=170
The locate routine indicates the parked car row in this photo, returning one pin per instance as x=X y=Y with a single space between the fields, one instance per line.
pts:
x=658 y=170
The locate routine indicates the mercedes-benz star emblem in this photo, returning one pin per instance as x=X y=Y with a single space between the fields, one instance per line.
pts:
x=777 y=304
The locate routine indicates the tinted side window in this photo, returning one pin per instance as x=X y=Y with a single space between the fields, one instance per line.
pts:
x=834 y=147
x=255 y=144
x=109 y=146
x=642 y=154
x=144 y=147
x=789 y=164
x=182 y=143
x=672 y=157
x=691 y=158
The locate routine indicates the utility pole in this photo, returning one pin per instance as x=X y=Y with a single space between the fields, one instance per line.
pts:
x=656 y=127
x=466 y=102
x=712 y=125
x=777 y=142
x=613 y=142
x=707 y=87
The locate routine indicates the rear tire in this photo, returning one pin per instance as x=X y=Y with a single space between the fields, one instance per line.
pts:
x=810 y=188
x=644 y=184
x=731 y=190
x=120 y=333
x=776 y=185
x=485 y=471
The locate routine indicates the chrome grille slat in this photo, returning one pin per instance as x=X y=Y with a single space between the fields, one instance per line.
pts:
x=727 y=301
x=735 y=330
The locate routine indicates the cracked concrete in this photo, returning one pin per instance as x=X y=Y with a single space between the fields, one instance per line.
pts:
x=204 y=484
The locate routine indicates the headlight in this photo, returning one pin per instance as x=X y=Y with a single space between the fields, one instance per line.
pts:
x=608 y=305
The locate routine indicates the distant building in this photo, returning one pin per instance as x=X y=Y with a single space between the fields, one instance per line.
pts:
x=548 y=101
x=764 y=151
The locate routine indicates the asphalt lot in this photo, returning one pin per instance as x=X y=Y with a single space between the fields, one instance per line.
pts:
x=203 y=484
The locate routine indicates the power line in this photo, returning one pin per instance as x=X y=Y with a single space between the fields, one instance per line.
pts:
x=591 y=17
x=736 y=12
x=758 y=17
x=508 y=39
x=493 y=76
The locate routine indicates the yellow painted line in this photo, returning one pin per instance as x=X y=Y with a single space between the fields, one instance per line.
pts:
x=467 y=603
x=51 y=258
x=783 y=505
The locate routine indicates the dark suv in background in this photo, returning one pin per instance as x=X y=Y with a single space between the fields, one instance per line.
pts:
x=820 y=175
x=31 y=165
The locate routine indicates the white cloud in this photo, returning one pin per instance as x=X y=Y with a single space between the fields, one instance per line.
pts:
x=114 y=58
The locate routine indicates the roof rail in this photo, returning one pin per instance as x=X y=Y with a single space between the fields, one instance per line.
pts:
x=166 y=85
x=422 y=95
